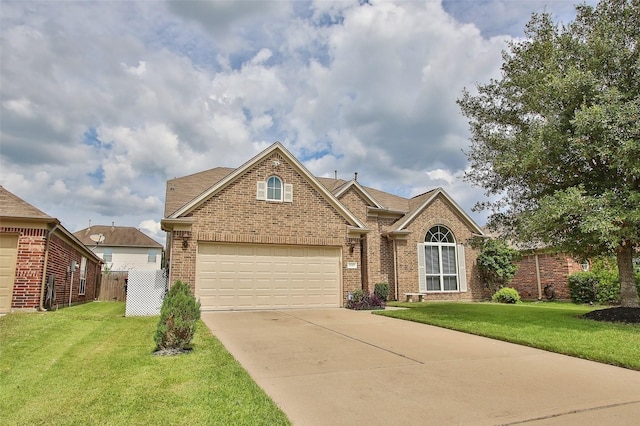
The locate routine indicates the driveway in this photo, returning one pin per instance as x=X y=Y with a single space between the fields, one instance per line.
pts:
x=343 y=367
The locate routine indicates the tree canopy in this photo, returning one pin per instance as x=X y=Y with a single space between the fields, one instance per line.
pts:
x=555 y=142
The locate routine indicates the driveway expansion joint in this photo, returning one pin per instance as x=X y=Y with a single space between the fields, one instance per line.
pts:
x=354 y=338
x=568 y=413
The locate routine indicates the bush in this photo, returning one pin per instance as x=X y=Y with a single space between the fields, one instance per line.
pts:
x=495 y=262
x=178 y=317
x=583 y=287
x=382 y=291
x=361 y=300
x=506 y=295
x=607 y=287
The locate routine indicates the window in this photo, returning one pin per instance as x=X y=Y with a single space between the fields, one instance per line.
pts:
x=152 y=256
x=438 y=264
x=107 y=254
x=83 y=276
x=273 y=189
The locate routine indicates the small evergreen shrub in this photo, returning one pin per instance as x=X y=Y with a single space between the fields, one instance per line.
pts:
x=362 y=300
x=178 y=316
x=506 y=295
x=583 y=287
x=382 y=291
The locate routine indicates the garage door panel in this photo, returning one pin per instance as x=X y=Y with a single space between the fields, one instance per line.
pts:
x=232 y=276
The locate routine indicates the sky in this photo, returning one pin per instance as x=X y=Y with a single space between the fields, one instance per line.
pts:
x=102 y=101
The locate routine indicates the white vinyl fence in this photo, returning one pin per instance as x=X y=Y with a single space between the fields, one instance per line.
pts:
x=145 y=292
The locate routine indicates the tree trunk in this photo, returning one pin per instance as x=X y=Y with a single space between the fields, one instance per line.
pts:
x=628 y=290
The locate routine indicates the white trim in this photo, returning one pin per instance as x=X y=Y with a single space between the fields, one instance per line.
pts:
x=436 y=192
x=462 y=269
x=422 y=272
x=360 y=188
x=287 y=193
x=261 y=190
x=276 y=146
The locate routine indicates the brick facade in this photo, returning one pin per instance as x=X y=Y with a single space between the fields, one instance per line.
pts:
x=27 y=286
x=439 y=212
x=232 y=214
x=553 y=269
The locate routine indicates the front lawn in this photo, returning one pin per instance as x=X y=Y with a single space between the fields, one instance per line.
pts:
x=89 y=364
x=555 y=327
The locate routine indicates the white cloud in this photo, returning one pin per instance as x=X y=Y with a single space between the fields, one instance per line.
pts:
x=95 y=118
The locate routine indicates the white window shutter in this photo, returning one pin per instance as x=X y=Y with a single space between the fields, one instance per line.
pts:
x=261 y=190
x=422 y=273
x=462 y=269
x=288 y=193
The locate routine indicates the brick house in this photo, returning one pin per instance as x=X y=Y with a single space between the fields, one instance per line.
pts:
x=269 y=234
x=122 y=248
x=36 y=251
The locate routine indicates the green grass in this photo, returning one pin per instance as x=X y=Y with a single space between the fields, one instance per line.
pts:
x=89 y=364
x=555 y=327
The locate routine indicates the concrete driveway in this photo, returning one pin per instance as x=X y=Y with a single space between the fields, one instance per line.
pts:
x=342 y=367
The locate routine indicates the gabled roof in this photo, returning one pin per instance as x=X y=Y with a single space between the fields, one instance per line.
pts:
x=15 y=207
x=236 y=173
x=116 y=236
x=184 y=189
x=420 y=202
x=359 y=188
x=186 y=193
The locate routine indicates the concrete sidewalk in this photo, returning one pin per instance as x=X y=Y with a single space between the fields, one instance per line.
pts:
x=342 y=367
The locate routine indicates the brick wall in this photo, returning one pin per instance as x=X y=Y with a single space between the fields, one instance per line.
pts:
x=28 y=281
x=234 y=215
x=554 y=270
x=61 y=254
x=30 y=264
x=440 y=212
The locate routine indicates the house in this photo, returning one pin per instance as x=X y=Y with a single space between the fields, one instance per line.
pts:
x=269 y=234
x=122 y=248
x=42 y=265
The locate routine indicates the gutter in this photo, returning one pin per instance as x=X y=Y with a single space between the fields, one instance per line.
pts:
x=44 y=268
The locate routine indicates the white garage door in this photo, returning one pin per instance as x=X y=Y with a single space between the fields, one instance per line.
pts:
x=8 y=258
x=239 y=276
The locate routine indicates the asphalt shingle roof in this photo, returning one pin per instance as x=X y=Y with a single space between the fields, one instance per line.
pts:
x=13 y=206
x=121 y=236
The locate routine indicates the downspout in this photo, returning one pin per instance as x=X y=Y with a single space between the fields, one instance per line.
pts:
x=395 y=269
x=44 y=268
x=538 y=278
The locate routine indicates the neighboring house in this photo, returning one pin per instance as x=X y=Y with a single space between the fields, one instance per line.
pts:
x=36 y=254
x=544 y=274
x=122 y=248
x=271 y=235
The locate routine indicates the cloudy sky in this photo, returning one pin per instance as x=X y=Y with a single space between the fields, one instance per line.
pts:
x=102 y=101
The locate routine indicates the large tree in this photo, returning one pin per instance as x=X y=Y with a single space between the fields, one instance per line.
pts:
x=555 y=142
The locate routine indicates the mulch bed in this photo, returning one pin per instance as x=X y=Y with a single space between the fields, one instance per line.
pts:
x=626 y=315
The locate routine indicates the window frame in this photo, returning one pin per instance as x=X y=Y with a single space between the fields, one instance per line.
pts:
x=270 y=190
x=441 y=238
x=107 y=251
x=82 y=287
x=154 y=253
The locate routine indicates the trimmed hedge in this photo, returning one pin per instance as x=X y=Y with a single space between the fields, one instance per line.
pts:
x=506 y=295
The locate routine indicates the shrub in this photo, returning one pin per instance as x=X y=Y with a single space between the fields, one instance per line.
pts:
x=583 y=287
x=178 y=317
x=495 y=262
x=361 y=300
x=607 y=287
x=506 y=295
x=382 y=291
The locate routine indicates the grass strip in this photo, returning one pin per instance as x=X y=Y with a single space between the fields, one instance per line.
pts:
x=556 y=327
x=89 y=364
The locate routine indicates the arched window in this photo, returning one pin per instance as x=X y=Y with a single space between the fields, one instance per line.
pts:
x=440 y=265
x=274 y=189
